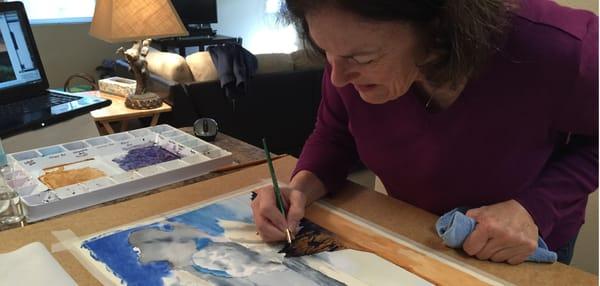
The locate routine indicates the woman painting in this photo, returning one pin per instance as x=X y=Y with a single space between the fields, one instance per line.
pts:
x=489 y=104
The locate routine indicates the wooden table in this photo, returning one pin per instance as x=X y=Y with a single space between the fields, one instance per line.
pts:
x=117 y=111
x=392 y=215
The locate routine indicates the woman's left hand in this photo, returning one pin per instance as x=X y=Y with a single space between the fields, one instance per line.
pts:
x=505 y=232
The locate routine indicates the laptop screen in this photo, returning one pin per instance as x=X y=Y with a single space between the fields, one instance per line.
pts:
x=17 y=63
x=25 y=102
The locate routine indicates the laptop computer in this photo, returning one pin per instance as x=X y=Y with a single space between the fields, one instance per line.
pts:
x=25 y=101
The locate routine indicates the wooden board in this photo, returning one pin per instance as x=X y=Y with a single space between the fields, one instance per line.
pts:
x=360 y=238
x=393 y=215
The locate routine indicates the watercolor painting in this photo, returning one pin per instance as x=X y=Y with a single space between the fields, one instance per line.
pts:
x=216 y=244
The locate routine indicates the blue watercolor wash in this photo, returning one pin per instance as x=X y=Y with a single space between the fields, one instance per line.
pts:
x=117 y=254
x=115 y=251
x=166 y=227
x=202 y=242
x=219 y=273
x=206 y=218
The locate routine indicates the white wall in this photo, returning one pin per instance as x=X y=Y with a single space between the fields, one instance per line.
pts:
x=260 y=31
x=68 y=49
x=591 y=5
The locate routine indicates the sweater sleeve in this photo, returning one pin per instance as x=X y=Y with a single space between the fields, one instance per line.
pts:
x=560 y=192
x=330 y=151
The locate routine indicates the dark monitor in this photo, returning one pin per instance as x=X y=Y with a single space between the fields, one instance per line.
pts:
x=196 y=12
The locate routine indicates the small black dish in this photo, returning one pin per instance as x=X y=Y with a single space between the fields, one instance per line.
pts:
x=206 y=129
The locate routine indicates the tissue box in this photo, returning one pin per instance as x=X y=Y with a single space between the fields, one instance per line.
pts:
x=117 y=85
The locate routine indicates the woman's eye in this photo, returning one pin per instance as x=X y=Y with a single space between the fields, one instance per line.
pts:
x=362 y=61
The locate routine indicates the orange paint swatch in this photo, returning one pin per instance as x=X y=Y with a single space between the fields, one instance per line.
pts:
x=60 y=178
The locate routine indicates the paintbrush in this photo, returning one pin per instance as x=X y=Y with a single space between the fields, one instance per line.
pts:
x=278 y=197
x=247 y=164
x=67 y=164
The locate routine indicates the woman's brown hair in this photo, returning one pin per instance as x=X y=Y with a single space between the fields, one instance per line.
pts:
x=461 y=33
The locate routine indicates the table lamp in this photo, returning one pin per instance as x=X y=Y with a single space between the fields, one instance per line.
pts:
x=136 y=20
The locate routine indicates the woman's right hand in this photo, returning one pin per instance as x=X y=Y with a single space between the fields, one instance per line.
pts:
x=269 y=220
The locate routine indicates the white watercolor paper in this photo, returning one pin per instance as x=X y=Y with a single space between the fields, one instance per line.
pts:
x=32 y=265
x=216 y=244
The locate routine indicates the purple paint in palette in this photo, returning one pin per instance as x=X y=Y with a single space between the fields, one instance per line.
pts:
x=145 y=156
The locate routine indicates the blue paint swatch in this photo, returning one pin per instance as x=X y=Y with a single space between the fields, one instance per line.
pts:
x=119 y=137
x=26 y=155
x=75 y=145
x=97 y=141
x=51 y=150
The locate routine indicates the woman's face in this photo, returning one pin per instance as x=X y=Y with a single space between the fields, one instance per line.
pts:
x=377 y=58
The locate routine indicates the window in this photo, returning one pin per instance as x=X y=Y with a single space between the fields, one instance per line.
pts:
x=272 y=6
x=59 y=11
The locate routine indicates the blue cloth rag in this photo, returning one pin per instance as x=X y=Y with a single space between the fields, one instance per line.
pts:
x=454 y=227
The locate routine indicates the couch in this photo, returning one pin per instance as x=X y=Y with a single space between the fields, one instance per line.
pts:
x=280 y=103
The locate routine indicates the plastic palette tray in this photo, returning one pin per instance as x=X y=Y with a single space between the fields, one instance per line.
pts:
x=104 y=153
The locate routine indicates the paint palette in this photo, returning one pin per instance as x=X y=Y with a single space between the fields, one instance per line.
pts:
x=57 y=179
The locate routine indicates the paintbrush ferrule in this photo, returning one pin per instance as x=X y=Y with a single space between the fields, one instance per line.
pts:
x=288 y=235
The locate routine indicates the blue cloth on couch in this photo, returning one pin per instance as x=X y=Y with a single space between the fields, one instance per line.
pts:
x=454 y=227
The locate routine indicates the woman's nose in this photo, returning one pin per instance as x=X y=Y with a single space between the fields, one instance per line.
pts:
x=341 y=74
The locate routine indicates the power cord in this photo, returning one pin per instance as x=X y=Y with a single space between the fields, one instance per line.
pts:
x=86 y=77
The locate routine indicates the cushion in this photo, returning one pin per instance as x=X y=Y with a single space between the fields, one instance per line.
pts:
x=202 y=66
x=169 y=66
x=304 y=61
x=268 y=63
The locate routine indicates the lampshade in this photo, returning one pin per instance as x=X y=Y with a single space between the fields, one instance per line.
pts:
x=131 y=20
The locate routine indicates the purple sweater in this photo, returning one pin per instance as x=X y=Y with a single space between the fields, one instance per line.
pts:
x=503 y=138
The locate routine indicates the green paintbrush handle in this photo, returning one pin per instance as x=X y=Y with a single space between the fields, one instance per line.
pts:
x=272 y=171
